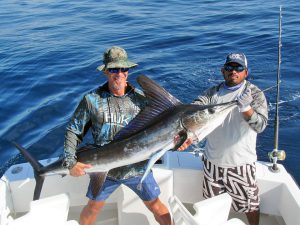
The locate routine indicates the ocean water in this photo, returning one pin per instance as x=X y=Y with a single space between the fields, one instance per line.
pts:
x=49 y=51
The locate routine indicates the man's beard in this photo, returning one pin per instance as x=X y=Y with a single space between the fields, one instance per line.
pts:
x=118 y=86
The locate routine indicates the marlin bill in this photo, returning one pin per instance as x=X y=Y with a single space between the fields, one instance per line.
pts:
x=164 y=124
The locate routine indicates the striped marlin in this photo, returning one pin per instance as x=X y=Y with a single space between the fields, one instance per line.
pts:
x=164 y=124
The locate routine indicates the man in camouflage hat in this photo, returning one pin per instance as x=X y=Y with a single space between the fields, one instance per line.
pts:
x=106 y=110
x=115 y=57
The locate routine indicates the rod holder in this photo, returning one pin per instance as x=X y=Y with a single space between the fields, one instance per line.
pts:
x=274 y=156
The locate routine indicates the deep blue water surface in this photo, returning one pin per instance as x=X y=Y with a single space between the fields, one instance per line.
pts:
x=49 y=51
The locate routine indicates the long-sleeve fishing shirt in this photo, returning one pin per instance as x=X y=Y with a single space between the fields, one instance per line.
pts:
x=233 y=143
x=105 y=114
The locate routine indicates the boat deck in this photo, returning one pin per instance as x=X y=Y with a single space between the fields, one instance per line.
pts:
x=265 y=219
x=180 y=174
x=110 y=216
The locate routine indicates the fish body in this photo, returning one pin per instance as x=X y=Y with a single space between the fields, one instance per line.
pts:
x=164 y=124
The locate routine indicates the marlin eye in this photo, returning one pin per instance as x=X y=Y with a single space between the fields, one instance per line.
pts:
x=211 y=111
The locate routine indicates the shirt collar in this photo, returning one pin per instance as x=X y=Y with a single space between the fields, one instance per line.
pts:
x=233 y=88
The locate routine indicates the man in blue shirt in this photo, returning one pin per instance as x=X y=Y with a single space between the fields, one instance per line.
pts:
x=106 y=110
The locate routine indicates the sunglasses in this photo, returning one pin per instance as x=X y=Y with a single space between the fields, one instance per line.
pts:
x=230 y=68
x=116 y=70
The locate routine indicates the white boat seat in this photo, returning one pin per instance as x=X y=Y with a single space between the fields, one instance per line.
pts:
x=212 y=211
x=46 y=211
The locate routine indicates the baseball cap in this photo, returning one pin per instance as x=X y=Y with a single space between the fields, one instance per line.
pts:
x=115 y=57
x=239 y=58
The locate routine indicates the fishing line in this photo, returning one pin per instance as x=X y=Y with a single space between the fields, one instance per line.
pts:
x=267 y=89
x=253 y=94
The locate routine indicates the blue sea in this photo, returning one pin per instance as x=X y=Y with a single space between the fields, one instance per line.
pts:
x=49 y=51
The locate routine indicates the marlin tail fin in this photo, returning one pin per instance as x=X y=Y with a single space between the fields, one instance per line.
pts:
x=37 y=168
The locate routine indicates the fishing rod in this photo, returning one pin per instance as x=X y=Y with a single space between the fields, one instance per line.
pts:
x=277 y=154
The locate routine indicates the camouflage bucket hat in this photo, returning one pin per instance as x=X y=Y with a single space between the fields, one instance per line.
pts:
x=115 y=57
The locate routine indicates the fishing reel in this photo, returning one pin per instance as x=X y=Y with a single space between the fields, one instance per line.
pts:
x=274 y=156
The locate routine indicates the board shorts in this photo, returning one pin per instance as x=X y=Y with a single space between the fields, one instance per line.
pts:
x=239 y=182
x=149 y=191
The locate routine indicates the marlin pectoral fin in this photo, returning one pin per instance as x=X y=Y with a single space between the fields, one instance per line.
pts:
x=150 y=164
x=97 y=180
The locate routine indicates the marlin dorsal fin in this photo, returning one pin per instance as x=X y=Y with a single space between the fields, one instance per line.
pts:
x=156 y=94
x=159 y=101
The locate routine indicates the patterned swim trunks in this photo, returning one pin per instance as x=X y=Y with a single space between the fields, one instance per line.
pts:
x=239 y=182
